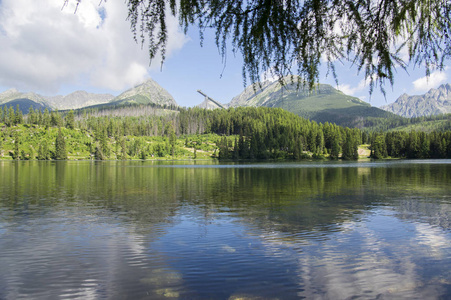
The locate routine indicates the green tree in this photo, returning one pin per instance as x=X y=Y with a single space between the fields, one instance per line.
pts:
x=98 y=153
x=172 y=139
x=378 y=147
x=2 y=115
x=17 y=142
x=350 y=147
x=32 y=116
x=32 y=153
x=11 y=120
x=335 y=146
x=43 y=151
x=413 y=145
x=123 y=149
x=70 y=120
x=277 y=35
x=56 y=119
x=60 y=146
x=46 y=118
x=19 y=115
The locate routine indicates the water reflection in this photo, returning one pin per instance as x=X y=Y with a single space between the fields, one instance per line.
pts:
x=171 y=230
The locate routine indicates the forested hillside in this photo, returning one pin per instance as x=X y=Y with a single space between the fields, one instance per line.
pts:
x=397 y=123
x=236 y=133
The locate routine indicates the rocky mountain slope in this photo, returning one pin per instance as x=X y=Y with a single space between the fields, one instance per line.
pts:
x=324 y=104
x=78 y=99
x=435 y=102
x=145 y=93
x=13 y=94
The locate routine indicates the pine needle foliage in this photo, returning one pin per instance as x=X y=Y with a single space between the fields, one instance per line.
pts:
x=294 y=36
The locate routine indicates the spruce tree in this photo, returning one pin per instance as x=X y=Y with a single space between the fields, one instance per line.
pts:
x=19 y=115
x=11 y=117
x=16 y=153
x=335 y=147
x=60 y=146
x=70 y=120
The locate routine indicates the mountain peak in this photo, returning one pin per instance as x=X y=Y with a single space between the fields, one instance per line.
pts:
x=322 y=104
x=434 y=102
x=8 y=93
x=147 y=92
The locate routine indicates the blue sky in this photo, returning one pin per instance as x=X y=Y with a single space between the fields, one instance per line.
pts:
x=52 y=51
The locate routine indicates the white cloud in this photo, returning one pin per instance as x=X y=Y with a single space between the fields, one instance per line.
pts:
x=424 y=84
x=44 y=47
x=352 y=90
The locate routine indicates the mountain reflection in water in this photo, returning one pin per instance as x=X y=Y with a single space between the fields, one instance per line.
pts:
x=159 y=230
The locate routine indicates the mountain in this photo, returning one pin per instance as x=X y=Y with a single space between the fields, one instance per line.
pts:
x=77 y=100
x=145 y=93
x=24 y=105
x=323 y=104
x=434 y=102
x=148 y=92
x=13 y=94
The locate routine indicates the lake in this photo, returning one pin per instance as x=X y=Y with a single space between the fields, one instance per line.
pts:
x=203 y=230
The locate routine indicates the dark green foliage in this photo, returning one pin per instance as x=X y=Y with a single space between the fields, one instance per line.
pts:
x=378 y=147
x=45 y=120
x=70 y=120
x=43 y=152
x=98 y=153
x=17 y=142
x=56 y=119
x=60 y=146
x=350 y=146
x=335 y=148
x=18 y=116
x=396 y=123
x=239 y=133
x=123 y=153
x=32 y=116
x=11 y=120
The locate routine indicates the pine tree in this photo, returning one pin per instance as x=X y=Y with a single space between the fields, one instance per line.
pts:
x=123 y=149
x=19 y=115
x=350 y=149
x=335 y=147
x=236 y=153
x=98 y=154
x=11 y=117
x=70 y=120
x=413 y=145
x=2 y=116
x=31 y=116
x=378 y=147
x=60 y=146
x=16 y=153
x=43 y=152
x=46 y=118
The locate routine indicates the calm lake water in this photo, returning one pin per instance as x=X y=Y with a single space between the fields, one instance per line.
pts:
x=168 y=230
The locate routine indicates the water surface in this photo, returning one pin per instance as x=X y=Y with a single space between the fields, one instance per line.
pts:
x=168 y=230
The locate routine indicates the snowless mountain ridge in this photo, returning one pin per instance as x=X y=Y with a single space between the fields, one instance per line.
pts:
x=434 y=102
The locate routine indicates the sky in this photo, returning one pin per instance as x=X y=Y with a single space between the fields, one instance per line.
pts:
x=49 y=49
